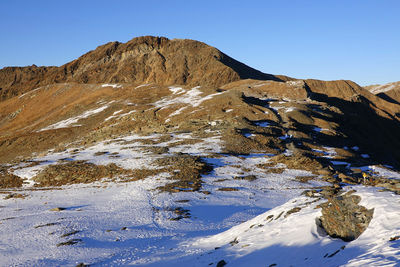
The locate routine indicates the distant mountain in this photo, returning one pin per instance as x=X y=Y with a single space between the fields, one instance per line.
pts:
x=389 y=91
x=142 y=60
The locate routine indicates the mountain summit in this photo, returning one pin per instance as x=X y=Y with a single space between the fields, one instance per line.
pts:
x=145 y=59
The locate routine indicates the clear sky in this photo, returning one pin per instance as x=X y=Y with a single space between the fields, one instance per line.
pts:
x=357 y=40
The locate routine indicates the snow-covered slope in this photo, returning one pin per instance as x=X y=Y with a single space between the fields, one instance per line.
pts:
x=130 y=224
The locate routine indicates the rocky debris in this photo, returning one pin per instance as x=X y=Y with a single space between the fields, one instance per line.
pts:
x=234 y=242
x=181 y=212
x=246 y=177
x=185 y=171
x=377 y=181
x=77 y=172
x=70 y=233
x=294 y=210
x=15 y=195
x=46 y=225
x=298 y=161
x=305 y=179
x=69 y=242
x=343 y=218
x=228 y=189
x=58 y=209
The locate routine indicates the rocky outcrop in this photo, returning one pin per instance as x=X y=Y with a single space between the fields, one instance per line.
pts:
x=145 y=59
x=343 y=218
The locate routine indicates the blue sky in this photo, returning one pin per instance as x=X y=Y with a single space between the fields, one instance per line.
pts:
x=357 y=40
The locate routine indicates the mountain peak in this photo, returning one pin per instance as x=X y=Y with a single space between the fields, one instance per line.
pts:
x=146 y=59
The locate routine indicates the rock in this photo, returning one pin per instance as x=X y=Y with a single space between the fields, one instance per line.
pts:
x=324 y=172
x=343 y=218
x=294 y=210
x=69 y=242
x=347 y=179
x=58 y=209
x=247 y=177
x=311 y=193
x=329 y=191
x=221 y=263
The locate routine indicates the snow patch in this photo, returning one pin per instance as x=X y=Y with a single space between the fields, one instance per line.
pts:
x=69 y=122
x=111 y=85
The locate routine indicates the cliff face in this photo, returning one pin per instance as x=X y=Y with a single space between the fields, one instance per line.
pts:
x=142 y=60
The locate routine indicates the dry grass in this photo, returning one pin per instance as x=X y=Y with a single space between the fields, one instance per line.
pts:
x=9 y=180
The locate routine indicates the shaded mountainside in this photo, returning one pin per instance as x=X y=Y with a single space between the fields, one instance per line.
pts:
x=142 y=60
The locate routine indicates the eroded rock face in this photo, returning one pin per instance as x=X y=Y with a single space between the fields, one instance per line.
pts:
x=343 y=218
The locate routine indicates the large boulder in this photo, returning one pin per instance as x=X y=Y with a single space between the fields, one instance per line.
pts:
x=343 y=218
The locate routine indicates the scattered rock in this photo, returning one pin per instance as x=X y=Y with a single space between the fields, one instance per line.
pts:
x=221 y=263
x=311 y=193
x=15 y=195
x=70 y=233
x=185 y=170
x=228 y=189
x=234 y=242
x=77 y=172
x=294 y=210
x=69 y=242
x=269 y=217
x=247 y=177
x=45 y=225
x=280 y=214
x=305 y=179
x=58 y=209
x=394 y=238
x=9 y=180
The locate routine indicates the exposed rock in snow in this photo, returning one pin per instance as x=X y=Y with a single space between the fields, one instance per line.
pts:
x=342 y=217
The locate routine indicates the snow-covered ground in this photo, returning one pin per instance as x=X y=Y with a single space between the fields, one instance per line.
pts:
x=130 y=224
x=243 y=218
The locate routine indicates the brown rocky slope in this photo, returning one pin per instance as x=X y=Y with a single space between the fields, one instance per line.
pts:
x=390 y=91
x=145 y=59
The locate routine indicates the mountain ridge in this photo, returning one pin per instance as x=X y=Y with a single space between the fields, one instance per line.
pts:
x=146 y=59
